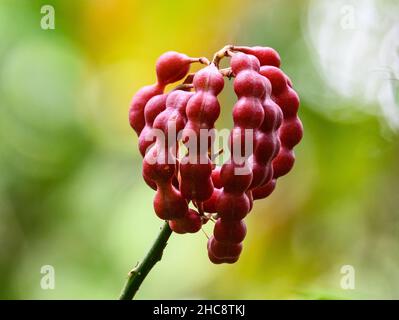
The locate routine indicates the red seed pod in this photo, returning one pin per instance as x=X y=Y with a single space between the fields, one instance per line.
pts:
x=267 y=56
x=241 y=62
x=159 y=167
x=172 y=120
x=150 y=182
x=153 y=107
x=190 y=223
x=260 y=173
x=209 y=79
x=217 y=183
x=277 y=78
x=229 y=231
x=152 y=170
x=291 y=130
x=170 y=67
x=195 y=179
x=267 y=147
x=266 y=129
x=168 y=202
x=173 y=66
x=233 y=206
x=283 y=163
x=249 y=84
x=288 y=101
x=264 y=191
x=224 y=250
x=156 y=166
x=248 y=112
x=273 y=115
x=216 y=260
x=136 y=111
x=241 y=143
x=267 y=142
x=202 y=111
x=235 y=178
x=210 y=205
x=235 y=200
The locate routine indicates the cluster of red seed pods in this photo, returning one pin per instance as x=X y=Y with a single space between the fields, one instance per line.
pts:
x=264 y=116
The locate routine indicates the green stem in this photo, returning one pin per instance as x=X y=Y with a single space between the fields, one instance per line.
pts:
x=138 y=274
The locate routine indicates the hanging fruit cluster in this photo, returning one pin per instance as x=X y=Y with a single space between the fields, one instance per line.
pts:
x=266 y=107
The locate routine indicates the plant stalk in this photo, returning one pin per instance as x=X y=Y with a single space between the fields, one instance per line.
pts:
x=139 y=273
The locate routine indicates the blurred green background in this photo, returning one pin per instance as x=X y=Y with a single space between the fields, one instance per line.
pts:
x=71 y=192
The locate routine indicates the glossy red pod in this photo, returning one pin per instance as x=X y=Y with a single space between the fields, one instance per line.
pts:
x=266 y=55
x=172 y=66
x=224 y=250
x=140 y=99
x=233 y=206
x=190 y=223
x=227 y=231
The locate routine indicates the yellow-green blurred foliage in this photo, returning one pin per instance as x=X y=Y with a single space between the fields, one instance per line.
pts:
x=71 y=192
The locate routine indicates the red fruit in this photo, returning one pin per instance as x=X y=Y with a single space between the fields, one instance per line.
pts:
x=250 y=84
x=209 y=79
x=210 y=205
x=150 y=182
x=276 y=78
x=153 y=107
x=224 y=250
x=240 y=62
x=168 y=203
x=172 y=66
x=266 y=147
x=203 y=108
x=283 y=163
x=217 y=183
x=266 y=129
x=215 y=260
x=288 y=101
x=248 y=113
x=291 y=132
x=202 y=111
x=190 y=223
x=273 y=116
x=266 y=55
x=196 y=183
x=229 y=231
x=232 y=181
x=136 y=111
x=233 y=206
x=260 y=172
x=264 y=191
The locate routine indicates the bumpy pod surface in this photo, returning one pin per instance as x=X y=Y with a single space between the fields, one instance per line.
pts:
x=291 y=130
x=266 y=130
x=267 y=56
x=170 y=67
x=202 y=111
x=233 y=201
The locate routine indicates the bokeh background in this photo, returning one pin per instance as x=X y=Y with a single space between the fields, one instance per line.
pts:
x=71 y=192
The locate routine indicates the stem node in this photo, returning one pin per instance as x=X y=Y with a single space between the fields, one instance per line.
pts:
x=137 y=275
